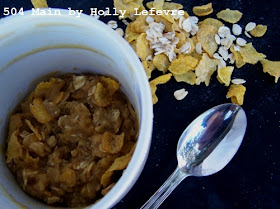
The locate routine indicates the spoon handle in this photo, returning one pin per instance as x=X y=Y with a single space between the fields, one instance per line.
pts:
x=164 y=191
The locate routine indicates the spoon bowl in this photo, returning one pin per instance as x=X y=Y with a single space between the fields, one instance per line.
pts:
x=206 y=146
x=211 y=140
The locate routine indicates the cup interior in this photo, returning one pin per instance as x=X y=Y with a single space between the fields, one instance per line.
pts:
x=34 y=48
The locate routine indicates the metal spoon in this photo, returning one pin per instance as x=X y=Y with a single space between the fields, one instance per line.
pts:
x=205 y=147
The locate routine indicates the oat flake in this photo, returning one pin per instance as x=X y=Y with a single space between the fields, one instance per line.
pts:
x=180 y=94
x=250 y=26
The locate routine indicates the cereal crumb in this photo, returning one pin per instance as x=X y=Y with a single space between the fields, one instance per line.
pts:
x=180 y=94
x=238 y=81
x=250 y=26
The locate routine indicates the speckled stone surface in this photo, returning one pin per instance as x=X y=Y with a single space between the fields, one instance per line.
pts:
x=252 y=178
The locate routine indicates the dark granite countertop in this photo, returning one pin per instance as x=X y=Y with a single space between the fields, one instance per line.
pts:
x=252 y=178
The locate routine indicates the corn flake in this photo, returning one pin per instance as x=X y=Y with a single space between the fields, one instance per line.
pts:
x=39 y=111
x=39 y=3
x=259 y=31
x=250 y=55
x=149 y=67
x=169 y=23
x=203 y=10
x=182 y=39
x=231 y=16
x=143 y=49
x=51 y=90
x=206 y=67
x=150 y=4
x=271 y=67
x=172 y=6
x=194 y=52
x=237 y=57
x=161 y=62
x=206 y=36
x=29 y=160
x=166 y=5
x=154 y=96
x=183 y=64
x=129 y=35
x=191 y=41
x=139 y=25
x=213 y=22
x=34 y=130
x=14 y=149
x=133 y=45
x=112 y=143
x=224 y=75
x=15 y=123
x=128 y=5
x=111 y=85
x=236 y=92
x=159 y=80
x=158 y=4
x=188 y=77
x=43 y=87
x=119 y=164
x=101 y=96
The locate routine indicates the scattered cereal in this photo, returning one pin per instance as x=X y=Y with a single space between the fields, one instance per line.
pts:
x=211 y=21
x=224 y=75
x=271 y=67
x=203 y=10
x=250 y=26
x=180 y=94
x=149 y=67
x=159 y=80
x=224 y=31
x=259 y=31
x=206 y=36
x=183 y=64
x=190 y=49
x=236 y=93
x=231 y=16
x=161 y=62
x=205 y=69
x=250 y=55
x=247 y=34
x=239 y=62
x=223 y=52
x=217 y=39
x=241 y=41
x=236 y=29
x=238 y=81
x=188 y=77
x=231 y=58
x=190 y=25
x=143 y=49
x=185 y=48
x=237 y=48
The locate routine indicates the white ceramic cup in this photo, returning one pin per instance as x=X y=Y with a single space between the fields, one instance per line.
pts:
x=32 y=47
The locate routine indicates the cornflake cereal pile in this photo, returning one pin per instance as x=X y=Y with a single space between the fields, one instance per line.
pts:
x=192 y=50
